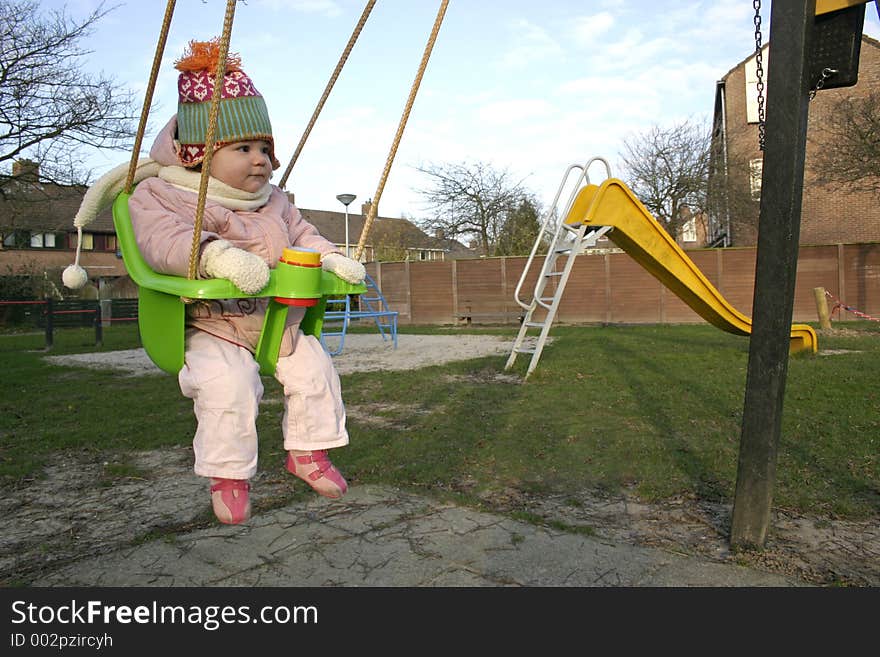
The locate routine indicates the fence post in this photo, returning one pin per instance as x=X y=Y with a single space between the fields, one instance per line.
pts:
x=106 y=311
x=49 y=311
x=822 y=307
x=99 y=331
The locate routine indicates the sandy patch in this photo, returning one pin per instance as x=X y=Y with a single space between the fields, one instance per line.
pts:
x=361 y=353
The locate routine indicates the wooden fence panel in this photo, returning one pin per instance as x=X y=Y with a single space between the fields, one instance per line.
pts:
x=480 y=288
x=635 y=294
x=612 y=288
x=585 y=296
x=738 y=278
x=817 y=267
x=393 y=279
x=433 y=304
x=861 y=275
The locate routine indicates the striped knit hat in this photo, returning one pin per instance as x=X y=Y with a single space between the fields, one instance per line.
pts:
x=242 y=113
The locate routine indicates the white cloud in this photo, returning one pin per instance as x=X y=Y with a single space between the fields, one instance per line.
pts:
x=531 y=44
x=587 y=30
x=508 y=112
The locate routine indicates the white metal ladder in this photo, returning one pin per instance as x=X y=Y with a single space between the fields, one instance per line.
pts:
x=564 y=242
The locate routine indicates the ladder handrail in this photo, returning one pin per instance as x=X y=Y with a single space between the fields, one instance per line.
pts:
x=584 y=177
x=544 y=224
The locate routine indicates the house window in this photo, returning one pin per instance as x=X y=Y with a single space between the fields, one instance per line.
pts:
x=423 y=255
x=689 y=230
x=17 y=239
x=42 y=240
x=756 y=169
x=88 y=242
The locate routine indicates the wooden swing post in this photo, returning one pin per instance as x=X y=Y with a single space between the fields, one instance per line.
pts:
x=799 y=43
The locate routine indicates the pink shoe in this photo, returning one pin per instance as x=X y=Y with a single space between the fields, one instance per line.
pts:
x=232 y=506
x=315 y=469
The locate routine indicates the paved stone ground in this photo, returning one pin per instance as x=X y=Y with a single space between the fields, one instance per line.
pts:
x=381 y=536
x=157 y=530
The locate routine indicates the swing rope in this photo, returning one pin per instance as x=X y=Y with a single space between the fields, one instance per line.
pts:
x=345 y=53
x=148 y=99
x=374 y=205
x=209 y=137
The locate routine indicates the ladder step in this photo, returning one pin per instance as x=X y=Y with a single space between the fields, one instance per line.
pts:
x=534 y=324
x=554 y=273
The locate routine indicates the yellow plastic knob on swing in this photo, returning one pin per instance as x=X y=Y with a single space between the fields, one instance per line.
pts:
x=299 y=270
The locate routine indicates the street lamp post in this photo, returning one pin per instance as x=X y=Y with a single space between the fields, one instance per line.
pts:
x=346 y=199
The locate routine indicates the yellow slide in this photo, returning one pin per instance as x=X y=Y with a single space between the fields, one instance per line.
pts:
x=647 y=242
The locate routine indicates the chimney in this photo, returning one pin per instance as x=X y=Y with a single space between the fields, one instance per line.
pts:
x=440 y=234
x=365 y=208
x=26 y=170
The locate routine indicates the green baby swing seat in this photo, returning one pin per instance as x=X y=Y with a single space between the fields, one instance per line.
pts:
x=162 y=298
x=161 y=305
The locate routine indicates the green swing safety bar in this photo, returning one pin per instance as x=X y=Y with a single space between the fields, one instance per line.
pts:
x=161 y=305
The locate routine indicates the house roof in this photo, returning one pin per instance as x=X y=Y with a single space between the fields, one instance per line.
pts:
x=384 y=229
x=46 y=207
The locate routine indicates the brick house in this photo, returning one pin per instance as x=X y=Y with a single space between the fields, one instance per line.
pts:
x=830 y=214
x=37 y=234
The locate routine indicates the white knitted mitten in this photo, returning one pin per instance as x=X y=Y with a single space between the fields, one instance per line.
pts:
x=248 y=272
x=347 y=269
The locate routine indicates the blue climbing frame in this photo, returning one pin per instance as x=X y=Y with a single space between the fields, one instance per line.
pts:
x=372 y=306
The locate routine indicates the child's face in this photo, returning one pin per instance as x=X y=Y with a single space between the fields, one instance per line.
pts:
x=245 y=165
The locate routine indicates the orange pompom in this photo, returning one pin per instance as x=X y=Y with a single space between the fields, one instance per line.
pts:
x=203 y=55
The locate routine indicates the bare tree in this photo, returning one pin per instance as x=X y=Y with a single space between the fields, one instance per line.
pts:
x=668 y=169
x=473 y=200
x=850 y=150
x=50 y=109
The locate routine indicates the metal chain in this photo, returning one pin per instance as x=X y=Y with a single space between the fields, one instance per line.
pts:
x=826 y=73
x=759 y=73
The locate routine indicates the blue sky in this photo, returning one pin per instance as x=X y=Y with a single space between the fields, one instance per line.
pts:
x=527 y=86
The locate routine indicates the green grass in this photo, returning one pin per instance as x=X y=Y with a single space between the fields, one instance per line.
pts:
x=655 y=409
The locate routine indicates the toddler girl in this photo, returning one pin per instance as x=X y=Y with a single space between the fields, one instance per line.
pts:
x=247 y=224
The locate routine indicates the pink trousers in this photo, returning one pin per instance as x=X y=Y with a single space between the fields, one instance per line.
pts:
x=223 y=380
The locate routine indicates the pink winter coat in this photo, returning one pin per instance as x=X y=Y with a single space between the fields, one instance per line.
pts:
x=163 y=217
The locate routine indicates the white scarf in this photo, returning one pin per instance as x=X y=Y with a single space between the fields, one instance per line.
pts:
x=219 y=192
x=105 y=190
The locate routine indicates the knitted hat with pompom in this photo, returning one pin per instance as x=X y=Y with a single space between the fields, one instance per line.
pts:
x=242 y=114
